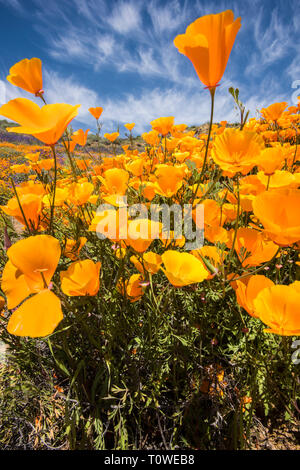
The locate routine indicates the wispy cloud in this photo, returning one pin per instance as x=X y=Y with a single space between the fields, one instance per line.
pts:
x=273 y=42
x=166 y=18
x=125 y=17
x=16 y=4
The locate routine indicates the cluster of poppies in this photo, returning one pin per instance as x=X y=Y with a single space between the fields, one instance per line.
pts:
x=247 y=180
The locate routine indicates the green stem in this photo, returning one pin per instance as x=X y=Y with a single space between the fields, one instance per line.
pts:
x=20 y=206
x=237 y=218
x=212 y=94
x=54 y=188
x=70 y=159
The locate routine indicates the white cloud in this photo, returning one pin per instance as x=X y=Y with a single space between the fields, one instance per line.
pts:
x=14 y=4
x=294 y=68
x=272 y=43
x=167 y=17
x=125 y=17
x=186 y=107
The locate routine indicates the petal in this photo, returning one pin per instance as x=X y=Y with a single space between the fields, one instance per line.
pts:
x=37 y=316
x=36 y=257
x=14 y=285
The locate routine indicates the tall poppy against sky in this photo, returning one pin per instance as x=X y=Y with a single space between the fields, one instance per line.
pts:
x=27 y=74
x=207 y=42
x=96 y=112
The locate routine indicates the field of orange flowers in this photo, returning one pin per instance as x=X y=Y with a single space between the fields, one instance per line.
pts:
x=131 y=342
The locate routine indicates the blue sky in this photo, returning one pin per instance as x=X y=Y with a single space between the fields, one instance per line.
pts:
x=119 y=54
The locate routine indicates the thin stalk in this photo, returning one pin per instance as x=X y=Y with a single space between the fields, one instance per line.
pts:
x=165 y=149
x=20 y=206
x=212 y=94
x=70 y=159
x=237 y=218
x=54 y=188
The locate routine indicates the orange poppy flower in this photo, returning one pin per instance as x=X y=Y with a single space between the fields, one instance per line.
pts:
x=183 y=269
x=210 y=257
x=112 y=137
x=279 y=213
x=151 y=138
x=80 y=137
x=279 y=308
x=32 y=263
x=270 y=159
x=32 y=157
x=61 y=196
x=169 y=180
x=31 y=206
x=251 y=185
x=133 y=289
x=141 y=233
x=81 y=278
x=274 y=111
x=14 y=285
x=129 y=126
x=248 y=288
x=96 y=112
x=207 y=42
x=234 y=150
x=115 y=181
x=148 y=190
x=37 y=258
x=27 y=74
x=278 y=180
x=163 y=125
x=136 y=167
x=70 y=144
x=22 y=168
x=79 y=193
x=37 y=317
x=45 y=164
x=46 y=124
x=252 y=248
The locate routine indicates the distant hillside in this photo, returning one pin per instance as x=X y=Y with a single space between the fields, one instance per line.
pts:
x=92 y=141
x=12 y=136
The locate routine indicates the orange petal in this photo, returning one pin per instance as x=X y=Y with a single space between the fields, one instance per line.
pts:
x=14 y=285
x=37 y=258
x=37 y=316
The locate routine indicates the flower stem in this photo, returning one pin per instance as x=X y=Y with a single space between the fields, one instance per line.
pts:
x=20 y=205
x=212 y=94
x=237 y=217
x=54 y=188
